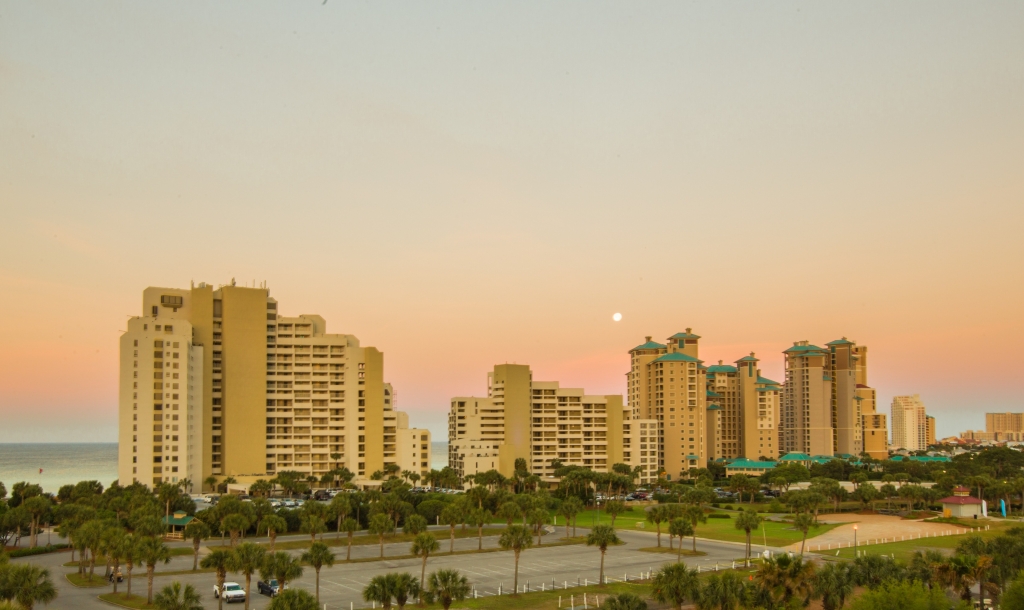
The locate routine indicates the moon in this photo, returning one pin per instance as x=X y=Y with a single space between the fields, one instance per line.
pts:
x=616 y=316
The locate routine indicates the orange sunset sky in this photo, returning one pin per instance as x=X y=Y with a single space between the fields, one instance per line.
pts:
x=464 y=184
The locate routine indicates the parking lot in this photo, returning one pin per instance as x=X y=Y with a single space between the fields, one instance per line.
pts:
x=341 y=586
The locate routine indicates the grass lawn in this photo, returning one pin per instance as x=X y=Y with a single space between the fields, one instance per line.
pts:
x=83 y=581
x=136 y=601
x=365 y=539
x=772 y=533
x=905 y=550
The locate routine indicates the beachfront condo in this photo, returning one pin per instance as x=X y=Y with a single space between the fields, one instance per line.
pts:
x=216 y=382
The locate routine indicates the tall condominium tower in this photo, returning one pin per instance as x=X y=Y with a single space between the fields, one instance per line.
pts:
x=806 y=403
x=909 y=423
x=538 y=422
x=668 y=383
x=262 y=393
x=745 y=409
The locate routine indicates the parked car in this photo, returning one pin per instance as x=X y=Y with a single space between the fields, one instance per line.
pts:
x=233 y=592
x=269 y=589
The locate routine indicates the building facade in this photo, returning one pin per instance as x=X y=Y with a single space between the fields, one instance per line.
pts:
x=540 y=422
x=1004 y=422
x=668 y=383
x=743 y=411
x=268 y=393
x=909 y=423
x=875 y=426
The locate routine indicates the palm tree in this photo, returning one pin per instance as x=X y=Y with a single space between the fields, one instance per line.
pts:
x=379 y=591
x=537 y=518
x=624 y=601
x=130 y=556
x=153 y=551
x=381 y=525
x=747 y=520
x=273 y=525
x=235 y=524
x=340 y=508
x=318 y=556
x=211 y=482
x=37 y=506
x=29 y=584
x=723 y=591
x=478 y=518
x=509 y=512
x=515 y=538
x=656 y=515
x=424 y=544
x=293 y=599
x=782 y=578
x=569 y=508
x=447 y=586
x=115 y=542
x=174 y=597
x=695 y=513
x=219 y=560
x=404 y=586
x=167 y=492
x=614 y=508
x=313 y=525
x=680 y=526
x=350 y=526
x=833 y=585
x=452 y=516
x=803 y=523
x=196 y=531
x=602 y=536
x=246 y=560
x=675 y=584
x=91 y=537
x=282 y=566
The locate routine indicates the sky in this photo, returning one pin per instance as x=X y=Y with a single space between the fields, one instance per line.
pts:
x=464 y=184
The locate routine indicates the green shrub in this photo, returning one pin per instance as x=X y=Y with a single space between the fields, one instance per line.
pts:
x=39 y=550
x=719 y=516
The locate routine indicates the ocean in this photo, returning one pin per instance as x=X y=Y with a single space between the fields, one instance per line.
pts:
x=69 y=463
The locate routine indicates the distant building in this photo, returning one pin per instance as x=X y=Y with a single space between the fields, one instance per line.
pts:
x=909 y=423
x=539 y=421
x=929 y=430
x=1004 y=422
x=992 y=437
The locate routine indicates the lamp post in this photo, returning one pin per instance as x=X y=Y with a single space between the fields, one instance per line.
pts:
x=854 y=539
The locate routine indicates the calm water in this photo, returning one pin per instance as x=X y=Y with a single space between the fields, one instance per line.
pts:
x=65 y=463
x=62 y=463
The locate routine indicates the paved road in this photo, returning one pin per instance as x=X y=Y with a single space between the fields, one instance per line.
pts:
x=341 y=586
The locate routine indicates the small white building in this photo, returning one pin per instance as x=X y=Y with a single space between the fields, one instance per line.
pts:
x=961 y=504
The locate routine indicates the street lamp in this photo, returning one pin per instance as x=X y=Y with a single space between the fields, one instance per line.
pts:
x=854 y=539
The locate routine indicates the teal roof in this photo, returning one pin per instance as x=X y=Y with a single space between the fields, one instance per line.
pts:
x=747 y=359
x=795 y=457
x=843 y=341
x=648 y=345
x=178 y=521
x=826 y=378
x=721 y=368
x=684 y=336
x=803 y=348
x=772 y=389
x=822 y=459
x=928 y=458
x=767 y=381
x=693 y=457
x=745 y=464
x=845 y=456
x=713 y=394
x=676 y=357
x=714 y=408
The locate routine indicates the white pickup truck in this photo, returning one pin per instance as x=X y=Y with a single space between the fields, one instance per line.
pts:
x=233 y=592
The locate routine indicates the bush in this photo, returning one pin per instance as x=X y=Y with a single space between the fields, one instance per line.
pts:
x=776 y=507
x=39 y=550
x=906 y=595
x=719 y=516
x=716 y=505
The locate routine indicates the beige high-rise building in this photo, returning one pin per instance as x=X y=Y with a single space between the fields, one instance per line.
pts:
x=847 y=422
x=806 y=404
x=929 y=431
x=667 y=382
x=909 y=423
x=1004 y=422
x=875 y=425
x=539 y=421
x=265 y=393
x=745 y=409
